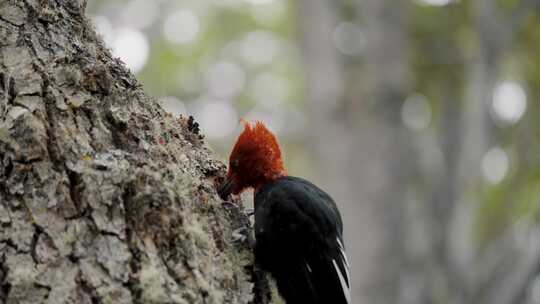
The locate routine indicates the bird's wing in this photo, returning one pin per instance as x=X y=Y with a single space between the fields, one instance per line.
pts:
x=296 y=226
x=328 y=260
x=329 y=272
x=342 y=267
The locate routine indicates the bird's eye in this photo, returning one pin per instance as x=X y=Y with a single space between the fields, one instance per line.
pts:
x=235 y=163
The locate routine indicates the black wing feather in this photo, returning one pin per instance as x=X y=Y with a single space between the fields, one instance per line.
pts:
x=298 y=230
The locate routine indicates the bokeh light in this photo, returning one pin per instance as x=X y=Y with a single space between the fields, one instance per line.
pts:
x=173 y=105
x=139 y=13
x=259 y=47
x=225 y=79
x=182 y=26
x=269 y=90
x=434 y=2
x=348 y=38
x=270 y=13
x=217 y=118
x=227 y=3
x=132 y=47
x=258 y=1
x=416 y=112
x=104 y=28
x=509 y=102
x=495 y=165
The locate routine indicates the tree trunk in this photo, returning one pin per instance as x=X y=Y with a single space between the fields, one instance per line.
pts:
x=357 y=138
x=104 y=197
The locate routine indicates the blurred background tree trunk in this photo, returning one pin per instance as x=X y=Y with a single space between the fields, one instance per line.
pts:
x=104 y=197
x=359 y=166
x=408 y=201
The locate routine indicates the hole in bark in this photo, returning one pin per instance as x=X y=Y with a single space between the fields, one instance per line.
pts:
x=8 y=167
x=11 y=90
x=51 y=118
x=193 y=126
x=35 y=239
x=86 y=288
x=74 y=182
x=135 y=263
x=117 y=129
x=72 y=258
x=2 y=82
x=204 y=293
x=4 y=285
x=100 y=167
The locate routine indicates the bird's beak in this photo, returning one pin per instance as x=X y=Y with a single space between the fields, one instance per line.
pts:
x=226 y=188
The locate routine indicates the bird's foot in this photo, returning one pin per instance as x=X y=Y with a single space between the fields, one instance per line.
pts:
x=228 y=204
x=240 y=234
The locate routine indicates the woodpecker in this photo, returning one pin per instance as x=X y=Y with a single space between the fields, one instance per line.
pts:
x=298 y=228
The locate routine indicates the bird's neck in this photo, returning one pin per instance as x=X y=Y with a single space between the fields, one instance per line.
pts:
x=268 y=179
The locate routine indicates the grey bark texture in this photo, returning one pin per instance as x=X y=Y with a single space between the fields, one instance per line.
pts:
x=104 y=197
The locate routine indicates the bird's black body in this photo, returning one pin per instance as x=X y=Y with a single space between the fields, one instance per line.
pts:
x=298 y=231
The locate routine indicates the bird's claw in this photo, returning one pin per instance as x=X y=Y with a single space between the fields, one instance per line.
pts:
x=228 y=204
x=239 y=235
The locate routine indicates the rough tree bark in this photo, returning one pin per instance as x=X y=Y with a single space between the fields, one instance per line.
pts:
x=104 y=197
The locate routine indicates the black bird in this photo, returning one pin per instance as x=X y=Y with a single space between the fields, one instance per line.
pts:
x=298 y=228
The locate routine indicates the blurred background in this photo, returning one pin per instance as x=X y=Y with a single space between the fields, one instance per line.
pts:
x=418 y=116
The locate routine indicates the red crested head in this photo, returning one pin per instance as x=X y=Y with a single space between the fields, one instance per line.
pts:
x=254 y=161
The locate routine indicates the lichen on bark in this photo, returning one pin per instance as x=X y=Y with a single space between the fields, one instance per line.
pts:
x=104 y=197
